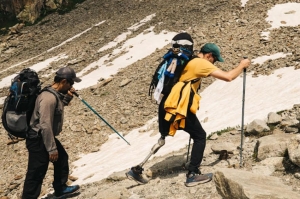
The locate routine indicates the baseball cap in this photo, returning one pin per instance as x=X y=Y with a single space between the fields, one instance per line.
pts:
x=214 y=49
x=67 y=73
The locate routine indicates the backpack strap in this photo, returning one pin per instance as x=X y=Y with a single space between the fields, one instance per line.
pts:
x=54 y=93
x=195 y=80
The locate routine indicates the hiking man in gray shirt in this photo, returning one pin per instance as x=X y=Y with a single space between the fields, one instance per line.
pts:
x=43 y=146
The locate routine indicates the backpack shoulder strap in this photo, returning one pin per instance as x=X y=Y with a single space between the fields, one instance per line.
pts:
x=53 y=92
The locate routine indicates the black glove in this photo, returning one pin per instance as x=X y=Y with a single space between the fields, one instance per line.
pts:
x=67 y=99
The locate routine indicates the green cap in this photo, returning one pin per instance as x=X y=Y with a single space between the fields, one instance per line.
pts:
x=214 y=49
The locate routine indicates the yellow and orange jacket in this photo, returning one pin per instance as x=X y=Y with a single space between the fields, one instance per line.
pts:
x=178 y=103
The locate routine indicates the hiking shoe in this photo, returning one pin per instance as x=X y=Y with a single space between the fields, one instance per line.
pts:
x=66 y=190
x=194 y=179
x=135 y=174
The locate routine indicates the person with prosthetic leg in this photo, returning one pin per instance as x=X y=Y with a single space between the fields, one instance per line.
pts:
x=177 y=111
x=176 y=59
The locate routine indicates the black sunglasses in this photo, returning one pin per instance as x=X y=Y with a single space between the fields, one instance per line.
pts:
x=215 y=58
x=70 y=81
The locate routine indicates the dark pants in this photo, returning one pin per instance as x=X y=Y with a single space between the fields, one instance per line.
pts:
x=193 y=127
x=37 y=167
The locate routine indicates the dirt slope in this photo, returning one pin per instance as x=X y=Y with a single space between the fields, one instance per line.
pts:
x=236 y=30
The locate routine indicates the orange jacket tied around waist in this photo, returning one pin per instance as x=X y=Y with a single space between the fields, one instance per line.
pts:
x=177 y=105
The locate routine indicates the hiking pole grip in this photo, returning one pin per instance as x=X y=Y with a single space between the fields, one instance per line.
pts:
x=76 y=94
x=244 y=70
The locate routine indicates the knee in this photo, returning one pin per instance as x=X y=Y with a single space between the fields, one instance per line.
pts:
x=38 y=174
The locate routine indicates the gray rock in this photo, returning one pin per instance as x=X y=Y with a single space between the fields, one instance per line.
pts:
x=124 y=82
x=229 y=147
x=289 y=123
x=268 y=166
x=214 y=137
x=291 y=130
x=294 y=150
x=257 y=126
x=272 y=146
x=274 y=118
x=238 y=184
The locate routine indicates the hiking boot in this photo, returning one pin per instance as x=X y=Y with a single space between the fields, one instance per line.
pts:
x=135 y=174
x=66 y=190
x=194 y=179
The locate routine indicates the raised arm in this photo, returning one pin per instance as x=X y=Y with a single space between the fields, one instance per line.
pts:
x=232 y=74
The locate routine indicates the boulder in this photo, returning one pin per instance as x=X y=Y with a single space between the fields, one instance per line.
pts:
x=272 y=146
x=274 y=118
x=294 y=150
x=290 y=123
x=257 y=126
x=239 y=184
x=268 y=166
x=217 y=148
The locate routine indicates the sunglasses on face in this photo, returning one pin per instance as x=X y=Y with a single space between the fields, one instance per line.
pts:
x=176 y=45
x=70 y=81
x=215 y=58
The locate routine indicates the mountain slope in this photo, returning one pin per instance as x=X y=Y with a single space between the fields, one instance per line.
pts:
x=235 y=29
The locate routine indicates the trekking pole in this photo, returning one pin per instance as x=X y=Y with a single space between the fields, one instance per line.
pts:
x=243 y=107
x=76 y=94
x=187 y=158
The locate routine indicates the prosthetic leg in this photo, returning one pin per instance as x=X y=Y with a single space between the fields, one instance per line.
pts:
x=135 y=173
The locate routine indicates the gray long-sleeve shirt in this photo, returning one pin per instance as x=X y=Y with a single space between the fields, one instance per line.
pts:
x=47 y=117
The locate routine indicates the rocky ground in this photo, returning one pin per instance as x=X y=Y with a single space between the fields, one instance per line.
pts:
x=233 y=28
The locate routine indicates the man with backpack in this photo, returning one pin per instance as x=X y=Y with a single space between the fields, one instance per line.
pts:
x=177 y=110
x=43 y=146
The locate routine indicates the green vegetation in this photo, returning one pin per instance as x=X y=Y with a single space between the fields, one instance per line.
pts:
x=279 y=112
x=272 y=127
x=265 y=133
x=222 y=131
x=254 y=156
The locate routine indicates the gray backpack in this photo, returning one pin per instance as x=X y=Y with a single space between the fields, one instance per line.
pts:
x=19 y=104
